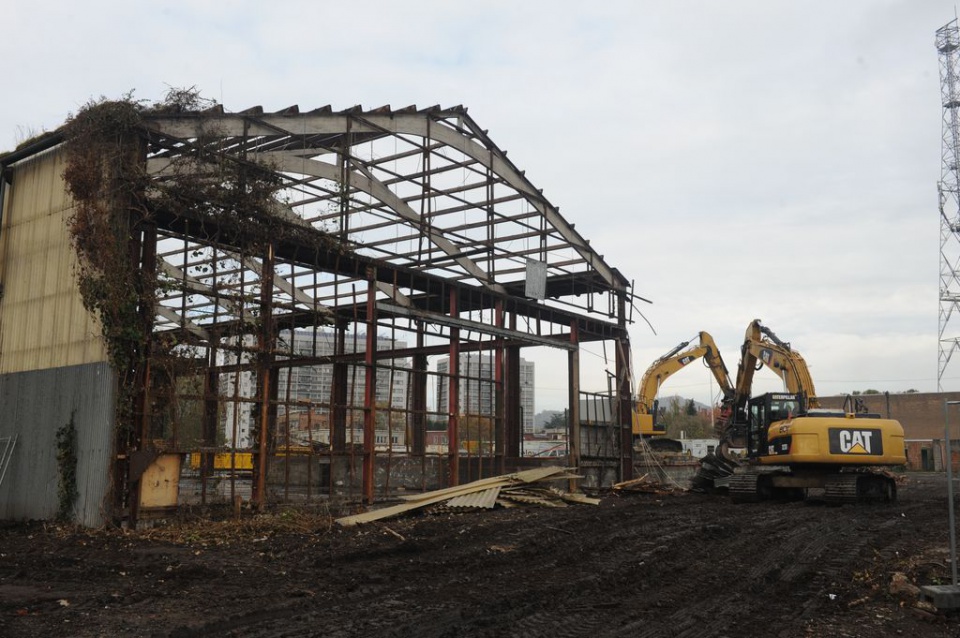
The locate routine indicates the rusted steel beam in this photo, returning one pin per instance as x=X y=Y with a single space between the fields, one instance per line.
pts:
x=512 y=426
x=500 y=396
x=418 y=396
x=265 y=345
x=624 y=394
x=338 y=393
x=302 y=254
x=370 y=391
x=476 y=326
x=573 y=398
x=453 y=405
x=210 y=420
x=143 y=257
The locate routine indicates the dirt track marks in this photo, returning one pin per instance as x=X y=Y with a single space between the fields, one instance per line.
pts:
x=638 y=566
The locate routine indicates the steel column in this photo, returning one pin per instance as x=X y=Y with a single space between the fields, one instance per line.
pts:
x=512 y=425
x=265 y=346
x=338 y=392
x=499 y=429
x=211 y=413
x=453 y=407
x=418 y=397
x=370 y=389
x=143 y=254
x=624 y=392
x=573 y=397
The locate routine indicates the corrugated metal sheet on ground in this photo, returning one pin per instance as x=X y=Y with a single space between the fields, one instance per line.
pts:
x=470 y=494
x=533 y=499
x=486 y=499
x=457 y=490
x=538 y=474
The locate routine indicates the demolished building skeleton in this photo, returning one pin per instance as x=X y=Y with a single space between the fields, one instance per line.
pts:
x=434 y=227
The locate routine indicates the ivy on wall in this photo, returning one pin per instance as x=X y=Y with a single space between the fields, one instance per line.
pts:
x=66 y=470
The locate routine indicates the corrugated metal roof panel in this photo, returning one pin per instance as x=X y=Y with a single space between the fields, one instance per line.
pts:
x=485 y=499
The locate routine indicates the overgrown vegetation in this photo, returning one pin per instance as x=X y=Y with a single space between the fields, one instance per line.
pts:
x=104 y=176
x=66 y=470
x=115 y=200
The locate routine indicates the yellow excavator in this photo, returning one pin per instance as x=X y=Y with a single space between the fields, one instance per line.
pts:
x=762 y=348
x=791 y=445
x=646 y=410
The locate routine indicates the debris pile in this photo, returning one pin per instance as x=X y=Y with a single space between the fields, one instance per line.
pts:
x=646 y=485
x=529 y=487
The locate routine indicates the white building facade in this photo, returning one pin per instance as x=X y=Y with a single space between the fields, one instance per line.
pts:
x=478 y=390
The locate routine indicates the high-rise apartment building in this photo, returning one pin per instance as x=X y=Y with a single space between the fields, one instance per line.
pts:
x=313 y=383
x=477 y=390
x=310 y=385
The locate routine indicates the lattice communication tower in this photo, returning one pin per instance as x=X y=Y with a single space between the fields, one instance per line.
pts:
x=948 y=48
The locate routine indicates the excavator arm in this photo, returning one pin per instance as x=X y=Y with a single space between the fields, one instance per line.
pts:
x=761 y=347
x=644 y=415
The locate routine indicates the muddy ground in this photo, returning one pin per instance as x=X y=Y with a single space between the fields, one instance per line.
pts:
x=638 y=565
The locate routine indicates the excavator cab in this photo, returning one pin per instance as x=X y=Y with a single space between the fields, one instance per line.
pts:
x=650 y=423
x=765 y=410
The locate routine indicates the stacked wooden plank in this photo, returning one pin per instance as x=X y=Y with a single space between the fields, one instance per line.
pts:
x=529 y=487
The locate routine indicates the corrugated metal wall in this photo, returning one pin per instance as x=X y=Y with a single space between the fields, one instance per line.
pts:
x=52 y=359
x=33 y=406
x=43 y=323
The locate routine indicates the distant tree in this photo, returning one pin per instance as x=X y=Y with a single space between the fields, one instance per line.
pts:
x=911 y=391
x=557 y=422
x=436 y=425
x=871 y=391
x=691 y=409
x=680 y=421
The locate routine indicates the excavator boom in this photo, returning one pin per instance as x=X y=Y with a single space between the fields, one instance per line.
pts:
x=761 y=347
x=644 y=414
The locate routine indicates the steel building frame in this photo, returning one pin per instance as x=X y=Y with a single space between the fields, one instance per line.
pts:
x=408 y=224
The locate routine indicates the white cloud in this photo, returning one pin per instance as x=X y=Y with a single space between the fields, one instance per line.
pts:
x=736 y=159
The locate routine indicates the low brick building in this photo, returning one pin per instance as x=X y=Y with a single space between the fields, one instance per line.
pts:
x=922 y=417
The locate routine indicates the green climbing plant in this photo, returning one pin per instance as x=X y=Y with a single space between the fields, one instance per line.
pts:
x=67 y=492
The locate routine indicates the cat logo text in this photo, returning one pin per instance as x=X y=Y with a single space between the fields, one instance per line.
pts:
x=856 y=441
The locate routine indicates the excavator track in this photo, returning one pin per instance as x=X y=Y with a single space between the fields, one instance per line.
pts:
x=841 y=489
x=860 y=487
x=743 y=487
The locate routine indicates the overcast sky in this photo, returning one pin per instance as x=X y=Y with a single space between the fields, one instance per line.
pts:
x=738 y=160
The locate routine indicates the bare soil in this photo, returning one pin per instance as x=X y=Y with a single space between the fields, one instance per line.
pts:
x=638 y=565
